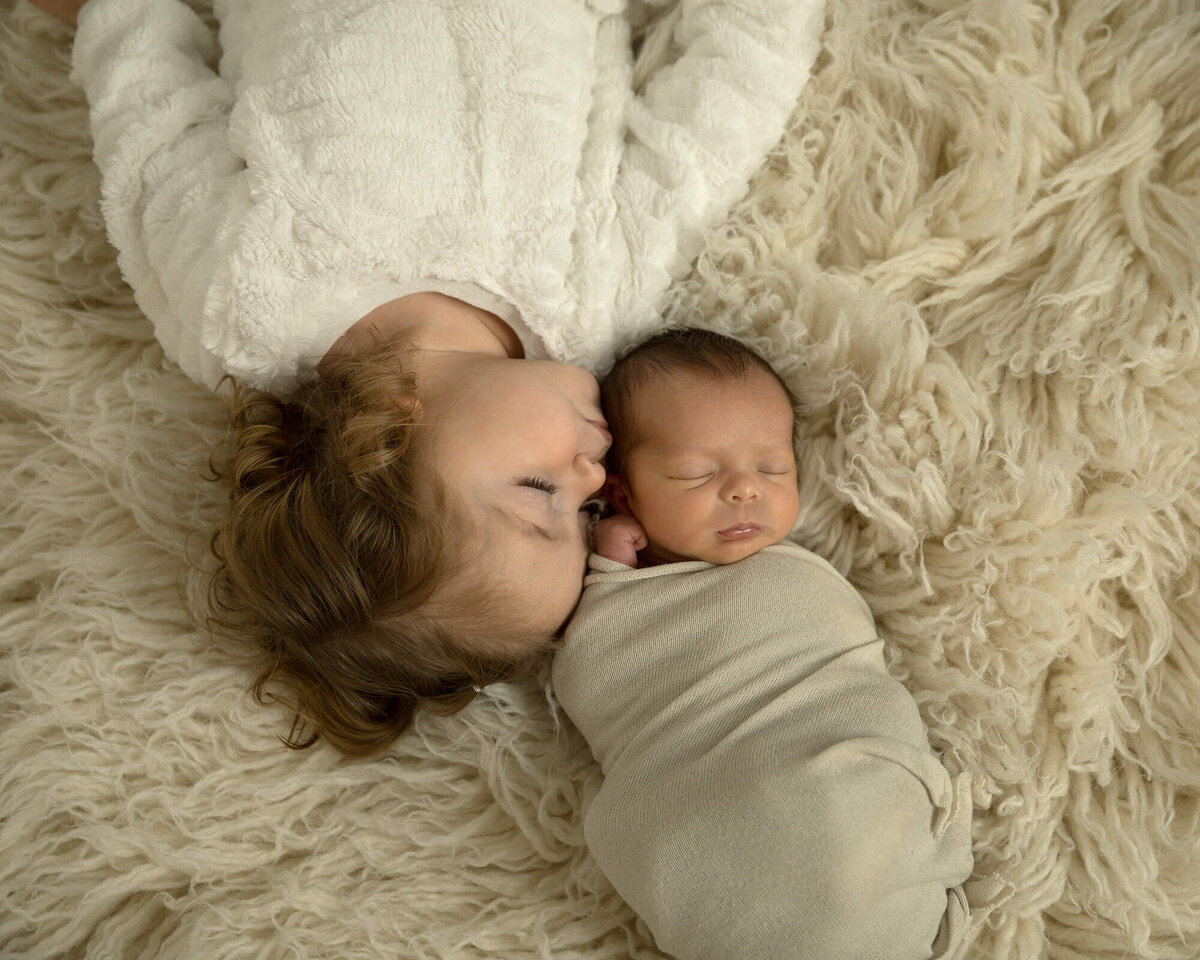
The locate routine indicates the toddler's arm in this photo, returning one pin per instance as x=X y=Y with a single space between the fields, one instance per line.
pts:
x=171 y=186
x=705 y=123
x=619 y=538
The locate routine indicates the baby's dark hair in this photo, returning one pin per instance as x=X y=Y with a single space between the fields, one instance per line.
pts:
x=676 y=348
x=347 y=563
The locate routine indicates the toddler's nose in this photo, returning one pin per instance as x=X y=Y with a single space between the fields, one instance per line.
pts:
x=590 y=473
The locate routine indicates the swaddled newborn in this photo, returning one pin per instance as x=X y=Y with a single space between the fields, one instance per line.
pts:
x=769 y=792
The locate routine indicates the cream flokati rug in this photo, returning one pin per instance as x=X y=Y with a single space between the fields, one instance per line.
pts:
x=976 y=257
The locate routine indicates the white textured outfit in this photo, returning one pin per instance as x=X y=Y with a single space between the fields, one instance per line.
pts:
x=268 y=187
x=769 y=791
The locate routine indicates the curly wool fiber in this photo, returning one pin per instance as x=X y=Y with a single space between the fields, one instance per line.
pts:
x=974 y=259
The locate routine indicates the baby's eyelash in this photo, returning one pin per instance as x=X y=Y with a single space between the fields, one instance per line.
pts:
x=539 y=483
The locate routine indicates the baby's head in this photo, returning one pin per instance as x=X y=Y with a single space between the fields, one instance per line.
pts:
x=702 y=452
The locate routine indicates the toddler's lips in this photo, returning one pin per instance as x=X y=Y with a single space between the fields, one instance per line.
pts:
x=739 y=531
x=603 y=428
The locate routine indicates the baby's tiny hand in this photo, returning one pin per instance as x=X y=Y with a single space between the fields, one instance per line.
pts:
x=619 y=538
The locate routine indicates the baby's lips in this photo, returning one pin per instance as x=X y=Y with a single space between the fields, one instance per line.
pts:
x=739 y=531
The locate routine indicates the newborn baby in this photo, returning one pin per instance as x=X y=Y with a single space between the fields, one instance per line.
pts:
x=769 y=791
x=704 y=467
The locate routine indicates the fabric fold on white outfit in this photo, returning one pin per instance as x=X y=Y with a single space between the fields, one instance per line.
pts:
x=256 y=183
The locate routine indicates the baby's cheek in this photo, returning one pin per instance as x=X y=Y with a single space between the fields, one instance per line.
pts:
x=791 y=511
x=680 y=531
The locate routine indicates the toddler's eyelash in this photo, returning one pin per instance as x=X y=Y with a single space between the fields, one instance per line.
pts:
x=539 y=483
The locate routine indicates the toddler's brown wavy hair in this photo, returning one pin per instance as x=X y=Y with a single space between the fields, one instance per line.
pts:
x=347 y=561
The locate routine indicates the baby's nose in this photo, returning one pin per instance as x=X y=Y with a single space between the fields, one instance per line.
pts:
x=742 y=487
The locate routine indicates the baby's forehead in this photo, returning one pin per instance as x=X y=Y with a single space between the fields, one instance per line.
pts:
x=675 y=447
x=697 y=381
x=694 y=392
x=685 y=429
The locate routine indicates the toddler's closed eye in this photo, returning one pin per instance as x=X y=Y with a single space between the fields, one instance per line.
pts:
x=539 y=483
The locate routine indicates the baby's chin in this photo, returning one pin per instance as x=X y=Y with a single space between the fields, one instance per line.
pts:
x=718 y=552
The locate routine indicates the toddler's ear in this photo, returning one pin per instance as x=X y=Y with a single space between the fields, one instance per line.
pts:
x=615 y=493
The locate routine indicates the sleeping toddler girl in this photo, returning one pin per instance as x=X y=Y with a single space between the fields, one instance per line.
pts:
x=769 y=792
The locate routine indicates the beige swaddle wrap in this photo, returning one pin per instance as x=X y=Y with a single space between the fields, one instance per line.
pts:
x=769 y=791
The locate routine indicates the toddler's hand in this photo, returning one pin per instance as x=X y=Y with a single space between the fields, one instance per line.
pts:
x=619 y=538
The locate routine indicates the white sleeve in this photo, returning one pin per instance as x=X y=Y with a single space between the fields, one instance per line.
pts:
x=704 y=125
x=172 y=189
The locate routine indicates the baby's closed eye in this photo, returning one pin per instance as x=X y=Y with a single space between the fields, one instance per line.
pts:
x=699 y=474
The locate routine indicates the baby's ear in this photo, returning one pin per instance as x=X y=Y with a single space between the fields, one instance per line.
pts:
x=615 y=493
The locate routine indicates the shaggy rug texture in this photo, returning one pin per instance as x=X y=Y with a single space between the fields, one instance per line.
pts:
x=975 y=256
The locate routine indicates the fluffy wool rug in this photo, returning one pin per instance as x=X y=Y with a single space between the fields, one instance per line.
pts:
x=976 y=258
